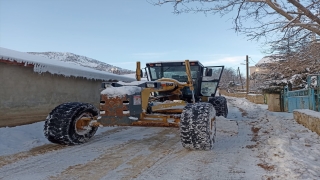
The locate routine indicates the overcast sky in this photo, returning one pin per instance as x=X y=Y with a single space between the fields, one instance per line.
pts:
x=121 y=32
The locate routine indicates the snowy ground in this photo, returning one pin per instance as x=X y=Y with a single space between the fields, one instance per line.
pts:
x=252 y=143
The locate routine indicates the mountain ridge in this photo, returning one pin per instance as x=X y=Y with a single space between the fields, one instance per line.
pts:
x=82 y=61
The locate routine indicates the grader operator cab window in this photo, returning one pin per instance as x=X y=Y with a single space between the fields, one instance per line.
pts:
x=177 y=71
x=205 y=79
x=174 y=72
x=208 y=88
x=212 y=73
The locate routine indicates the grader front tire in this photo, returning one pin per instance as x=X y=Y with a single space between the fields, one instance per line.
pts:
x=65 y=124
x=197 y=130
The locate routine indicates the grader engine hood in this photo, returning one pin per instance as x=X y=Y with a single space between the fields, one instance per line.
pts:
x=123 y=103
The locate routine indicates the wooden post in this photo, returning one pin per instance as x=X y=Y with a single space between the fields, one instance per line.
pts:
x=247 y=64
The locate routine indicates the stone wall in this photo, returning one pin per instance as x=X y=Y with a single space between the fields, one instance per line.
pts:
x=308 y=118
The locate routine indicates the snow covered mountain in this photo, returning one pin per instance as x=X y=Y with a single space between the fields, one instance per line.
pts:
x=83 y=61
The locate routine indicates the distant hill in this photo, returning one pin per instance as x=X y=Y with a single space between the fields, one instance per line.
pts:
x=83 y=61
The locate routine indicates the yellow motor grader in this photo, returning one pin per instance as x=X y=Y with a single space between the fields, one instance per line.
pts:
x=177 y=94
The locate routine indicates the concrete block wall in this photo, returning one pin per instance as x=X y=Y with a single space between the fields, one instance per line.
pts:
x=274 y=102
x=239 y=95
x=254 y=98
x=27 y=97
x=308 y=118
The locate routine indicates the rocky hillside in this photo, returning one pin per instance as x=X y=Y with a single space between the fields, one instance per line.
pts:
x=83 y=61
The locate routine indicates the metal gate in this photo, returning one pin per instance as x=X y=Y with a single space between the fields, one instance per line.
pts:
x=305 y=98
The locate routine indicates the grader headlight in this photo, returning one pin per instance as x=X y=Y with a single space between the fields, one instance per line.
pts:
x=150 y=85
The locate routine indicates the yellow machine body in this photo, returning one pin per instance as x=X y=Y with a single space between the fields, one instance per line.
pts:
x=131 y=108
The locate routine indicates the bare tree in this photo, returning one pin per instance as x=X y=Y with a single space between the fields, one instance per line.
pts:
x=228 y=77
x=286 y=25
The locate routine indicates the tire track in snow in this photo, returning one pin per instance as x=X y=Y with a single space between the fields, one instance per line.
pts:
x=6 y=160
x=127 y=160
x=50 y=163
x=225 y=161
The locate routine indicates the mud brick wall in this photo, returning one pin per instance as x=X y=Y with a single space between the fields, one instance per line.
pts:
x=308 y=118
x=27 y=97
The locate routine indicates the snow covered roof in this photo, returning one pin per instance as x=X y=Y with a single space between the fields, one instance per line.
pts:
x=42 y=64
x=270 y=59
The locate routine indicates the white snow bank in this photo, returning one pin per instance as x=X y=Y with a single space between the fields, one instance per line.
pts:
x=42 y=64
x=21 y=138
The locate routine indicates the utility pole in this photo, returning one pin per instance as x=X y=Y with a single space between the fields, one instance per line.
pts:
x=247 y=64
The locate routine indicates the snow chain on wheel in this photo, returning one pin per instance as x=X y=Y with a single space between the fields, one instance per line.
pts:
x=220 y=105
x=64 y=125
x=197 y=131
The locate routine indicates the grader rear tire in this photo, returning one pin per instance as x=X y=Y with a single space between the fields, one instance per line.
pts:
x=197 y=131
x=220 y=105
x=64 y=125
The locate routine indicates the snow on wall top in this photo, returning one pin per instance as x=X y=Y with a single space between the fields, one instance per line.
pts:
x=42 y=64
x=309 y=112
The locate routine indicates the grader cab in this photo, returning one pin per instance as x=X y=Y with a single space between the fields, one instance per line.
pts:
x=177 y=94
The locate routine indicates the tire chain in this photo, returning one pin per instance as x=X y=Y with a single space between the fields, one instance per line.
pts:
x=59 y=124
x=195 y=130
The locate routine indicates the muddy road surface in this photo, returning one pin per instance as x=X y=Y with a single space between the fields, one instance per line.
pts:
x=147 y=153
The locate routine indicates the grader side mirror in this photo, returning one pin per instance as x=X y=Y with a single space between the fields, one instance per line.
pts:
x=209 y=72
x=145 y=73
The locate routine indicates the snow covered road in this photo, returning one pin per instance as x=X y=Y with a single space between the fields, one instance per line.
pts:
x=252 y=143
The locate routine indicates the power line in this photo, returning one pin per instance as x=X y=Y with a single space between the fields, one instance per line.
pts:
x=252 y=60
